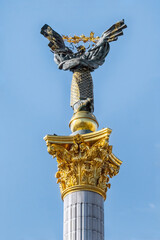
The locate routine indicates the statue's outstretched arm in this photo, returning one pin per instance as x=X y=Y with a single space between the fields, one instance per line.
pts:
x=56 y=41
x=96 y=55
x=114 y=32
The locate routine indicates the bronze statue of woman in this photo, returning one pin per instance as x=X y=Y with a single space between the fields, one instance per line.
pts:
x=82 y=63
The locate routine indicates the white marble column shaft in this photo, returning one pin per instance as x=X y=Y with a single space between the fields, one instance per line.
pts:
x=83 y=216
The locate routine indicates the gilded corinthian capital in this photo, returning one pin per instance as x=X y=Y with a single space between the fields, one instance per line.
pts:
x=85 y=162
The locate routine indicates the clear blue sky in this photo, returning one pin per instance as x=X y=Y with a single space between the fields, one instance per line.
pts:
x=35 y=99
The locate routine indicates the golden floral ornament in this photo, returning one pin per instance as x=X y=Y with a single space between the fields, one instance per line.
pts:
x=76 y=39
x=84 y=165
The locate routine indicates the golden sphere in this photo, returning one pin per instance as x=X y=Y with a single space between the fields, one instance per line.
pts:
x=83 y=120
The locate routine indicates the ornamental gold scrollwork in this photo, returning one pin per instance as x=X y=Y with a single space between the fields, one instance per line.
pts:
x=85 y=164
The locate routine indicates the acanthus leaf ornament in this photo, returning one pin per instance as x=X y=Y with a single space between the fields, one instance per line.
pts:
x=84 y=164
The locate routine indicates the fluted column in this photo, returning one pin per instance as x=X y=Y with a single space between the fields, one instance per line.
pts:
x=83 y=216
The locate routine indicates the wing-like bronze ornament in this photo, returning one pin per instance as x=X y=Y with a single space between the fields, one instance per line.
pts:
x=82 y=62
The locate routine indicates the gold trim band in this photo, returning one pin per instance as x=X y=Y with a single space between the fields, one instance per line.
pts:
x=89 y=137
x=83 y=188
